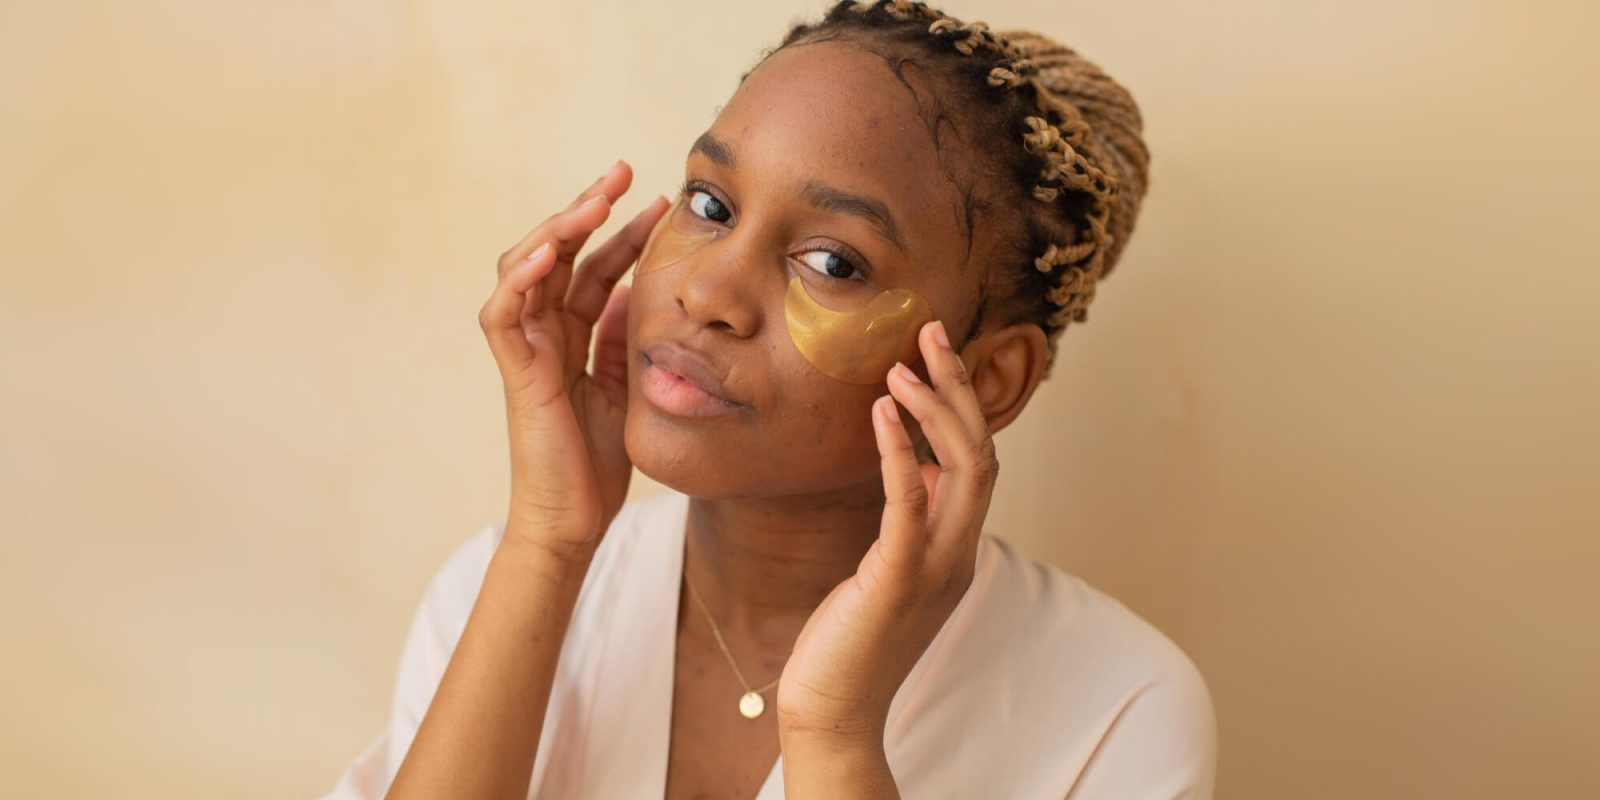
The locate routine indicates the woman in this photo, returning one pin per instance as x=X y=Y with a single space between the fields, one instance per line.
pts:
x=865 y=274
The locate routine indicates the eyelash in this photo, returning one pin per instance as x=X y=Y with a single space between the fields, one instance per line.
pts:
x=690 y=187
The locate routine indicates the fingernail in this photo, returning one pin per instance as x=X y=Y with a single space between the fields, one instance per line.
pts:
x=593 y=201
x=939 y=334
x=905 y=372
x=892 y=412
x=538 y=251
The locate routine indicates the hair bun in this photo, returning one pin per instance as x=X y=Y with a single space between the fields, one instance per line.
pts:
x=1115 y=129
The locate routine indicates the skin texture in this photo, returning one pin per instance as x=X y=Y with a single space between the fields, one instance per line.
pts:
x=854 y=345
x=821 y=546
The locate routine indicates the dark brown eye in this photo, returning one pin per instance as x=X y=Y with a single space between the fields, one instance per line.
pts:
x=831 y=264
x=706 y=205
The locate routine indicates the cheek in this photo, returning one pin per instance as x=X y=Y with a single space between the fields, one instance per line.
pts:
x=672 y=240
x=824 y=428
x=857 y=346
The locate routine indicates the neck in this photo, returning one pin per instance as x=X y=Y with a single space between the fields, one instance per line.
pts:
x=762 y=565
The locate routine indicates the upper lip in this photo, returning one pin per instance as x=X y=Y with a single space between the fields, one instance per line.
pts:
x=692 y=367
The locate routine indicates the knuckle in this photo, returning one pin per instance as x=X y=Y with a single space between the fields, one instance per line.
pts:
x=896 y=451
x=561 y=217
x=507 y=258
x=608 y=281
x=915 y=498
x=958 y=371
x=985 y=463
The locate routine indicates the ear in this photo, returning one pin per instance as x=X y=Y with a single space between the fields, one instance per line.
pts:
x=1005 y=366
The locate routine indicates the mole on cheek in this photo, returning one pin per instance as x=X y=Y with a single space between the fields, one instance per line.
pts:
x=856 y=346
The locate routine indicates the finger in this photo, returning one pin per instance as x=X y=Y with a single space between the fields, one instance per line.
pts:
x=606 y=184
x=599 y=273
x=611 y=186
x=565 y=233
x=567 y=252
x=601 y=269
x=611 y=345
x=967 y=466
x=949 y=376
x=501 y=315
x=568 y=230
x=902 y=536
x=604 y=191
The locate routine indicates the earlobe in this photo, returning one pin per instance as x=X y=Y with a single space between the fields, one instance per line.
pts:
x=1006 y=366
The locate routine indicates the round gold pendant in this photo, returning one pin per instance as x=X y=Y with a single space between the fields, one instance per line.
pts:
x=751 y=705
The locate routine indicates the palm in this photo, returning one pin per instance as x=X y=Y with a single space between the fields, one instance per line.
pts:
x=578 y=442
x=856 y=617
x=866 y=636
x=833 y=632
x=569 y=468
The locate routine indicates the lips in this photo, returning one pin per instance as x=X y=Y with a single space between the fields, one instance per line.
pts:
x=680 y=382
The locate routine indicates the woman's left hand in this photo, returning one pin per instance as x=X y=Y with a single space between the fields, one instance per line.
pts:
x=868 y=633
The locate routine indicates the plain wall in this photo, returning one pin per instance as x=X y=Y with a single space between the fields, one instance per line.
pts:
x=1331 y=424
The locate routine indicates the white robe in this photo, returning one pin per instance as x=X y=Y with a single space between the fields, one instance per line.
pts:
x=1038 y=686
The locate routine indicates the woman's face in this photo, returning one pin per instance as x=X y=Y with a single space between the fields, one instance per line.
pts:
x=820 y=166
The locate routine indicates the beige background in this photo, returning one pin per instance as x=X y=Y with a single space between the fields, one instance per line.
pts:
x=1332 y=426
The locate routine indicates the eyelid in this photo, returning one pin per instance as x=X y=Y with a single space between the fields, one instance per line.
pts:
x=863 y=269
x=844 y=251
x=689 y=187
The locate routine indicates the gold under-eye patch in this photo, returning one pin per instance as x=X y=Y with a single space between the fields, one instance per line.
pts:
x=856 y=346
x=670 y=241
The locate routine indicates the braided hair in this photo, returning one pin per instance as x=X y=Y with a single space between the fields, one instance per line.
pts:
x=1077 y=177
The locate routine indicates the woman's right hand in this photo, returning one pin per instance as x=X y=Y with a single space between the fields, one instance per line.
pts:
x=569 y=469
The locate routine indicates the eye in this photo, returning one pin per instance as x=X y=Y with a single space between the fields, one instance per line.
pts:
x=833 y=262
x=705 y=204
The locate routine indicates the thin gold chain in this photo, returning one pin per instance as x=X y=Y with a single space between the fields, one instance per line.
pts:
x=722 y=644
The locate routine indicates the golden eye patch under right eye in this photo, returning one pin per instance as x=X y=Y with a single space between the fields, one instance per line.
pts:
x=671 y=241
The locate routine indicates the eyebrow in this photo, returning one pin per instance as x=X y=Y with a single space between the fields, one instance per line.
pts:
x=713 y=148
x=871 y=209
x=817 y=193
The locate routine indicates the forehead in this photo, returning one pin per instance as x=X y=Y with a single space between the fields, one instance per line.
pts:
x=831 y=111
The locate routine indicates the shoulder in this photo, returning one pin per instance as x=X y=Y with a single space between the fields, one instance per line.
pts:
x=1076 y=626
x=441 y=618
x=1124 y=706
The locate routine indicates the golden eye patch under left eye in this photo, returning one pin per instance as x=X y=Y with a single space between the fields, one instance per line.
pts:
x=671 y=241
x=856 y=346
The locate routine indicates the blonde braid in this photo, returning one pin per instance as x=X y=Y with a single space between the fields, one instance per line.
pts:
x=1107 y=133
x=1084 y=126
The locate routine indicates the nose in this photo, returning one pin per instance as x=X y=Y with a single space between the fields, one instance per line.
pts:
x=717 y=288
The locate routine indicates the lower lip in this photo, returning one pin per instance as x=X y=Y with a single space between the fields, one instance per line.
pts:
x=671 y=393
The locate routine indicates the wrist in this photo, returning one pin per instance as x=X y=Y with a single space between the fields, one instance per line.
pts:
x=835 y=764
x=569 y=534
x=552 y=558
x=834 y=738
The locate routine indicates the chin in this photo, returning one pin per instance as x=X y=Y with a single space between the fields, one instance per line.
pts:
x=698 y=458
x=725 y=460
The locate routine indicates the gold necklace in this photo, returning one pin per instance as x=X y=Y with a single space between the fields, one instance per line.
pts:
x=751 y=704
